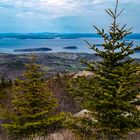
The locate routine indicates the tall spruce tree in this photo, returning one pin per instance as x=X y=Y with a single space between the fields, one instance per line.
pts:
x=111 y=95
x=33 y=106
x=5 y=89
x=5 y=92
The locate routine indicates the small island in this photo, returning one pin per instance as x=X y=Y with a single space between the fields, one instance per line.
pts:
x=35 y=37
x=33 y=49
x=70 y=47
x=98 y=45
x=137 y=49
x=128 y=43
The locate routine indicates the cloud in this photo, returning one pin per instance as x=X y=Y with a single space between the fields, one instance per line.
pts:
x=57 y=8
x=52 y=12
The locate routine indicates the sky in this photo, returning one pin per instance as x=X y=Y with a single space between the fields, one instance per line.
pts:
x=64 y=16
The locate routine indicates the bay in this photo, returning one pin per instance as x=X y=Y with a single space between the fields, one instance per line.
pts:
x=8 y=45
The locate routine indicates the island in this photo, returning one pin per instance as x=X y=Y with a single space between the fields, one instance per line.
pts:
x=137 y=49
x=99 y=45
x=35 y=37
x=69 y=37
x=70 y=47
x=33 y=49
x=128 y=43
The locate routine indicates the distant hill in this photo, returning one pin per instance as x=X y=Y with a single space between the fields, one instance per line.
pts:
x=47 y=35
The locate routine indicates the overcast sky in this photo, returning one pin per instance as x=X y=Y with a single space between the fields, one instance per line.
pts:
x=64 y=15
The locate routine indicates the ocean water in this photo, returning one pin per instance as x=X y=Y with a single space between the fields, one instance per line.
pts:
x=8 y=45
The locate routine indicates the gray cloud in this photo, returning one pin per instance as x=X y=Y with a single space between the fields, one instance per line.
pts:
x=47 y=13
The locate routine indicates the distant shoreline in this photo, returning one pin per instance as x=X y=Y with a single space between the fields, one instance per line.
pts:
x=47 y=35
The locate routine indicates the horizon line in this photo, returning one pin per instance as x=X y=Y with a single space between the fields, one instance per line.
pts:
x=55 y=32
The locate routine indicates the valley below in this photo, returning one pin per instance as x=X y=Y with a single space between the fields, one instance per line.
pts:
x=13 y=65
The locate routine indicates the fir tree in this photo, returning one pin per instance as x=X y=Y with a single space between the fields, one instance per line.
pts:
x=5 y=94
x=33 y=106
x=5 y=89
x=111 y=95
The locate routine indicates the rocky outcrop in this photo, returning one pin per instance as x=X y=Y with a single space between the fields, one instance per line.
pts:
x=84 y=73
x=83 y=114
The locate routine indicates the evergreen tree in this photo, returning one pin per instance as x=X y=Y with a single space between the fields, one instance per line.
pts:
x=5 y=89
x=111 y=95
x=33 y=106
x=5 y=94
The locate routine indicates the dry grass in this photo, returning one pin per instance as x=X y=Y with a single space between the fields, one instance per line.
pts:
x=61 y=135
x=68 y=135
x=4 y=137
